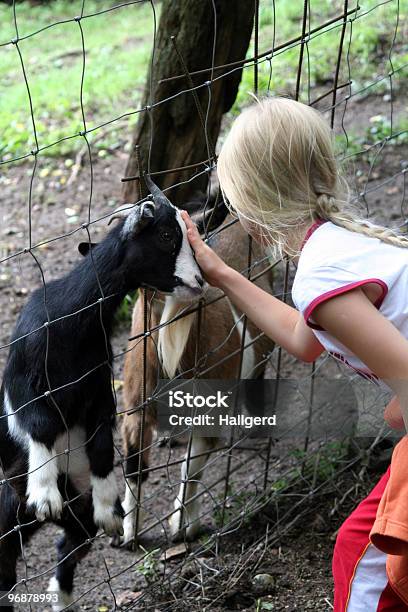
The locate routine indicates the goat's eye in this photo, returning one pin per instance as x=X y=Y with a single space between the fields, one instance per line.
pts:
x=166 y=236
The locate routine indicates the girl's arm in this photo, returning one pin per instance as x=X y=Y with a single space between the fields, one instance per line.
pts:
x=356 y=323
x=278 y=320
x=393 y=416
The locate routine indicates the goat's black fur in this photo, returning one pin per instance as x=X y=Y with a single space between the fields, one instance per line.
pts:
x=58 y=376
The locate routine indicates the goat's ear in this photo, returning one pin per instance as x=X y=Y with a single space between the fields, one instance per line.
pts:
x=85 y=247
x=140 y=218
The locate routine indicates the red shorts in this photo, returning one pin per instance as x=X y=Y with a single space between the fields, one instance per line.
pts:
x=359 y=571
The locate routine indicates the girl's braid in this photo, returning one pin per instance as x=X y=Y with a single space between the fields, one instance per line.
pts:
x=328 y=209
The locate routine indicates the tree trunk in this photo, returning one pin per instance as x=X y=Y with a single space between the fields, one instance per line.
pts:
x=178 y=137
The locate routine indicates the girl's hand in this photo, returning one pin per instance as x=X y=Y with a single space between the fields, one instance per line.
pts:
x=212 y=266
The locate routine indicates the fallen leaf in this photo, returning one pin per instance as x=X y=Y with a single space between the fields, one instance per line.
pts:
x=173 y=552
x=127 y=597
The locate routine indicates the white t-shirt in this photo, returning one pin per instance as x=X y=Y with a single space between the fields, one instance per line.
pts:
x=335 y=260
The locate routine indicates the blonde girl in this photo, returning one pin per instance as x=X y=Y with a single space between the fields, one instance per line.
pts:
x=278 y=172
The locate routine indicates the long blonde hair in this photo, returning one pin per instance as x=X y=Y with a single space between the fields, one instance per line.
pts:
x=278 y=170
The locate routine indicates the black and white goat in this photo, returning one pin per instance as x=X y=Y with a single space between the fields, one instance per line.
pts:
x=57 y=408
x=217 y=352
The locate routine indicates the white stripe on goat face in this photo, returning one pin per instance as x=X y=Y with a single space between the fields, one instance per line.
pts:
x=186 y=267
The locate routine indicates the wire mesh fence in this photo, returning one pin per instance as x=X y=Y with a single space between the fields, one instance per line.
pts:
x=346 y=59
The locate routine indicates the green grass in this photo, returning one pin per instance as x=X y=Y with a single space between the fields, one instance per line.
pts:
x=149 y=566
x=312 y=468
x=123 y=315
x=366 y=141
x=365 y=61
x=372 y=35
x=118 y=46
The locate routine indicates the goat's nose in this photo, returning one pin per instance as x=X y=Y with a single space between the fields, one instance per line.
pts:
x=199 y=280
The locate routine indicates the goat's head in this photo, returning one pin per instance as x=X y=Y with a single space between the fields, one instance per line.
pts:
x=158 y=253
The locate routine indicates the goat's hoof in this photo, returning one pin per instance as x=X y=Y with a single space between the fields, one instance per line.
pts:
x=182 y=531
x=120 y=542
x=116 y=541
x=110 y=520
x=129 y=540
x=64 y=599
x=46 y=503
x=131 y=545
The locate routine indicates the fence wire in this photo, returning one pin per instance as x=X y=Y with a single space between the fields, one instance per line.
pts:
x=243 y=478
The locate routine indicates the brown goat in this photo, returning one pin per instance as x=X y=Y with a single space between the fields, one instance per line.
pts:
x=217 y=352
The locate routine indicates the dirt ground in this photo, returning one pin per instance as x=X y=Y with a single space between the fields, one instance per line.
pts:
x=299 y=560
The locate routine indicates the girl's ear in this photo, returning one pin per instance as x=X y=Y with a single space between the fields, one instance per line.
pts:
x=85 y=247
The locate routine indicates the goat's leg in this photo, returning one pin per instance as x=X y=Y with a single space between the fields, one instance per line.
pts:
x=42 y=489
x=72 y=547
x=185 y=521
x=131 y=432
x=141 y=356
x=107 y=509
x=130 y=508
x=42 y=425
x=12 y=514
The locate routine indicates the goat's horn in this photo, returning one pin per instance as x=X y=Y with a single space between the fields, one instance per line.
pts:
x=158 y=195
x=121 y=212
